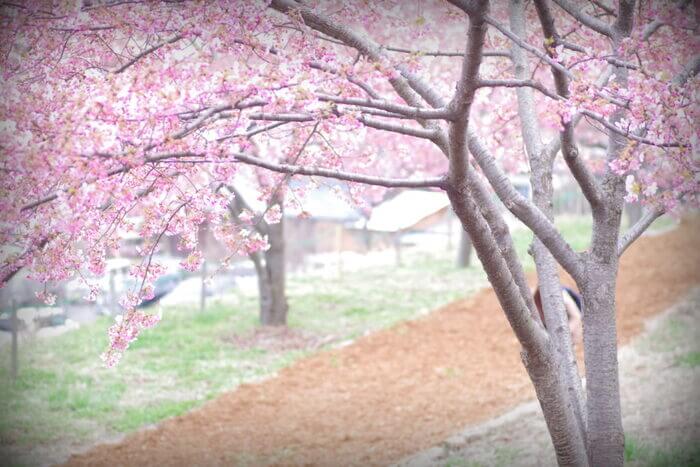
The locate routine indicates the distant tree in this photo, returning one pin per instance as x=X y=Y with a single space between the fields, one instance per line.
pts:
x=119 y=108
x=464 y=253
x=270 y=264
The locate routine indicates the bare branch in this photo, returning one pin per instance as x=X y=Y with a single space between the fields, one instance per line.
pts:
x=282 y=117
x=339 y=175
x=408 y=86
x=524 y=209
x=589 y=21
x=518 y=83
x=253 y=131
x=362 y=85
x=148 y=51
x=524 y=45
x=607 y=9
x=638 y=229
x=437 y=53
x=216 y=110
x=406 y=110
x=402 y=129
x=577 y=48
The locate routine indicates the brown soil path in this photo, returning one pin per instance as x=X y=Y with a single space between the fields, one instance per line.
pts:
x=397 y=391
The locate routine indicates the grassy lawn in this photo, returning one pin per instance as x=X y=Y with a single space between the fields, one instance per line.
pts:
x=63 y=395
x=639 y=454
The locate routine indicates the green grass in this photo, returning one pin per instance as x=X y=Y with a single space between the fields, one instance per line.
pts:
x=575 y=230
x=640 y=454
x=662 y=223
x=691 y=359
x=667 y=337
x=64 y=395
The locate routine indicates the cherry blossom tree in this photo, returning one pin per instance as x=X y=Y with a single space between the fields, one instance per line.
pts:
x=116 y=108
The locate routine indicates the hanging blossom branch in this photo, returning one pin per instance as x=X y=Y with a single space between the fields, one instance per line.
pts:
x=340 y=175
x=602 y=120
x=638 y=229
x=125 y=168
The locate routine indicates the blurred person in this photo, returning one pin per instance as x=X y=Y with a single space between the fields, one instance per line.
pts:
x=573 y=304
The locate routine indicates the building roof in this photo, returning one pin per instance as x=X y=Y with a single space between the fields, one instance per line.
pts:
x=406 y=209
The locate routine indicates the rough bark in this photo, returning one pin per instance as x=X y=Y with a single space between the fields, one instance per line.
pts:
x=605 y=433
x=538 y=355
x=270 y=268
x=541 y=168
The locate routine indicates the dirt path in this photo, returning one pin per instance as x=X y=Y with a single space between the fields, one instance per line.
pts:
x=660 y=405
x=397 y=391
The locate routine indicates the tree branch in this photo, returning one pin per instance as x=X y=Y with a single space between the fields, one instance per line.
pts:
x=603 y=121
x=408 y=86
x=524 y=45
x=406 y=110
x=518 y=83
x=238 y=205
x=339 y=175
x=584 y=177
x=525 y=210
x=148 y=51
x=125 y=168
x=401 y=129
x=437 y=53
x=587 y=20
x=332 y=70
x=282 y=117
x=638 y=229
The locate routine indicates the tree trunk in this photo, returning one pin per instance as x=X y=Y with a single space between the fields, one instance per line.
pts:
x=605 y=434
x=270 y=267
x=464 y=255
x=539 y=355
